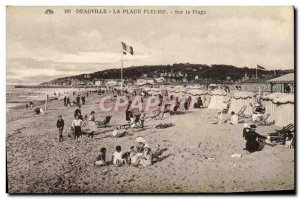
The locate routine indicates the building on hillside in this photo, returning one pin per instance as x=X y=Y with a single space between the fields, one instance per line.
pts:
x=112 y=82
x=97 y=82
x=87 y=76
x=160 y=80
x=184 y=80
x=144 y=81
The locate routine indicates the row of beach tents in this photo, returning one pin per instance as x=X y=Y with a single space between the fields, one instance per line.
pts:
x=280 y=106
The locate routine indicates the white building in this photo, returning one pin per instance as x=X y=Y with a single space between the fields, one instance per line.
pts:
x=160 y=80
x=143 y=81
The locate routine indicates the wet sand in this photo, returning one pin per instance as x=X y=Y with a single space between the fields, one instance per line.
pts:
x=192 y=156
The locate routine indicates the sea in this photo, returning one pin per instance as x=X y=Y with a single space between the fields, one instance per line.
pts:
x=19 y=97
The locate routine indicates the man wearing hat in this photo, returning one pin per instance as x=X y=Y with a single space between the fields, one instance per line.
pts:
x=252 y=142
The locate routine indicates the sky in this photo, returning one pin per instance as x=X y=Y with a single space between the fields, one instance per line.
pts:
x=43 y=47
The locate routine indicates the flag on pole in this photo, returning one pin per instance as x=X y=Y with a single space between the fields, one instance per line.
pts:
x=260 y=67
x=127 y=49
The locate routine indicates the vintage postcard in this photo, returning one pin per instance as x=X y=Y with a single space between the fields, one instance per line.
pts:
x=150 y=99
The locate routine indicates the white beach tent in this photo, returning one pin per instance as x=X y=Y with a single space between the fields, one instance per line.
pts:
x=270 y=107
x=284 y=110
x=240 y=99
x=217 y=98
x=197 y=92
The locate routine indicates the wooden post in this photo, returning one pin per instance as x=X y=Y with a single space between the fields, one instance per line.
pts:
x=271 y=87
x=46 y=101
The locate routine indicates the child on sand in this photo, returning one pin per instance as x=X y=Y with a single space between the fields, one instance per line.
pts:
x=60 y=126
x=117 y=156
x=132 y=153
x=234 y=118
x=76 y=124
x=142 y=119
x=101 y=157
x=127 y=155
x=146 y=159
x=219 y=118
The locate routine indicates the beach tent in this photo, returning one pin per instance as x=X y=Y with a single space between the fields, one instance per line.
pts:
x=240 y=99
x=284 y=110
x=270 y=107
x=156 y=89
x=217 y=98
x=197 y=92
x=146 y=89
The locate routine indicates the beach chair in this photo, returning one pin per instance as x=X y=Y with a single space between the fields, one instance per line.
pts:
x=136 y=122
x=123 y=126
x=158 y=114
x=289 y=127
x=105 y=122
x=263 y=120
x=241 y=112
x=285 y=129
x=280 y=136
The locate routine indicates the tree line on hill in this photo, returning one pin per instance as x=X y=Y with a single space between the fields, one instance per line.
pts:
x=216 y=72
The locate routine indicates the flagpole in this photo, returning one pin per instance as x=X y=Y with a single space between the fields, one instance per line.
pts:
x=121 y=71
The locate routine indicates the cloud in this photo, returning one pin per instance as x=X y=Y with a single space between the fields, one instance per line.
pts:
x=62 y=45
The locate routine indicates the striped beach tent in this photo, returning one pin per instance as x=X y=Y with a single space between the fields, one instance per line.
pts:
x=284 y=110
x=240 y=99
x=270 y=107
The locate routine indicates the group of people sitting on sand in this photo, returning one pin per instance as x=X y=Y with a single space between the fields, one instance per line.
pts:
x=254 y=141
x=141 y=154
x=235 y=118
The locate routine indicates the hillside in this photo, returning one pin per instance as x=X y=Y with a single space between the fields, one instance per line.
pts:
x=176 y=71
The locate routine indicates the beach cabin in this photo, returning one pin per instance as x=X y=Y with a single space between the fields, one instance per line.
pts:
x=270 y=107
x=240 y=99
x=217 y=98
x=284 y=110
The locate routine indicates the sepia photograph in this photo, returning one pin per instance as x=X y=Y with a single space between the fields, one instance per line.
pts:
x=150 y=99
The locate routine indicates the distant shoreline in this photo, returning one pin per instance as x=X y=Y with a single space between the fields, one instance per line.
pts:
x=46 y=86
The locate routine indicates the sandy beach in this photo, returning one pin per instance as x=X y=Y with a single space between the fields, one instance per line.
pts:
x=192 y=156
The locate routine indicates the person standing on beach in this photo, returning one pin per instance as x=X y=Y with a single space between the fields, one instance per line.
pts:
x=128 y=111
x=142 y=119
x=60 y=126
x=76 y=124
x=83 y=100
x=78 y=100
x=68 y=102
x=65 y=101
x=92 y=124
